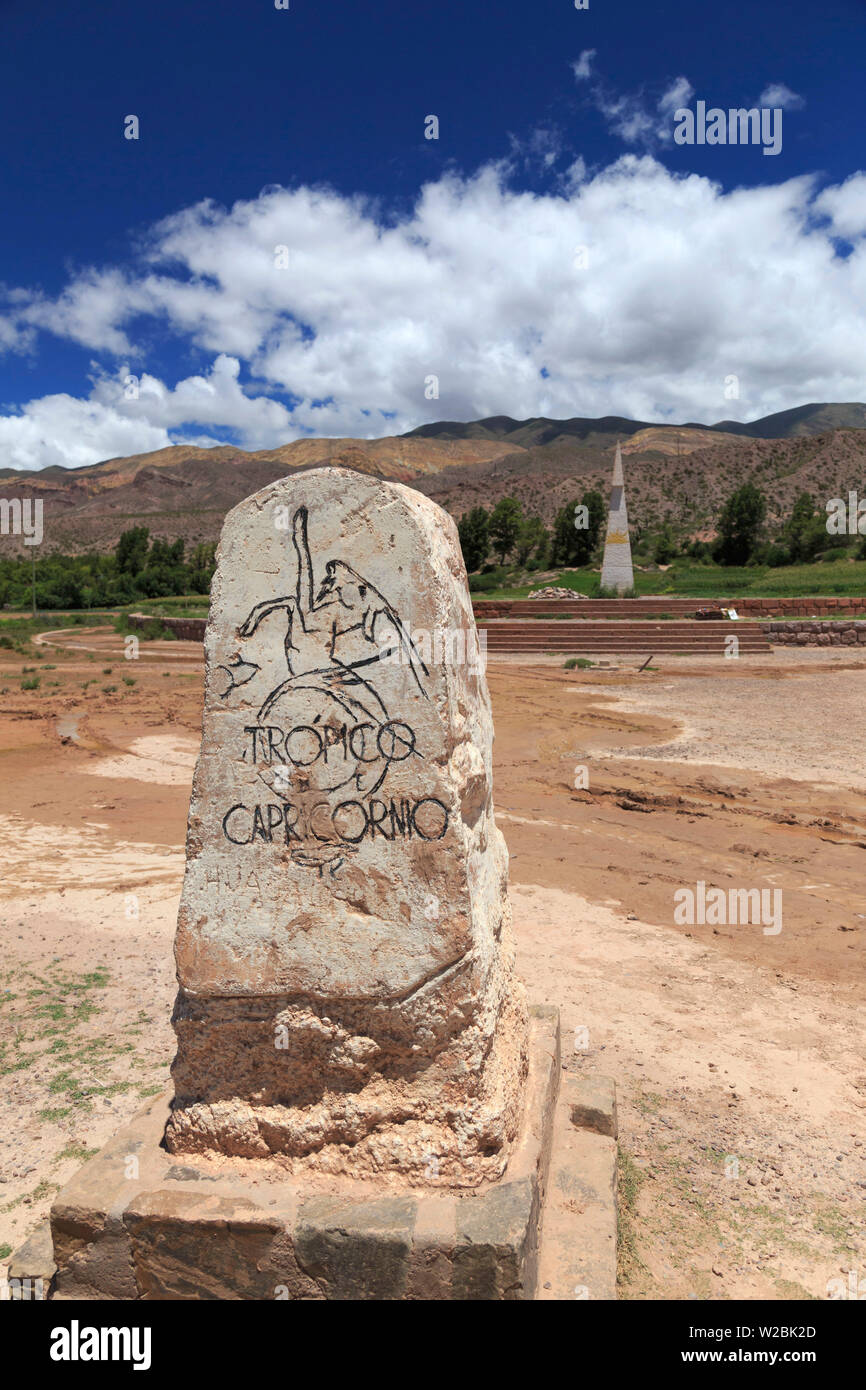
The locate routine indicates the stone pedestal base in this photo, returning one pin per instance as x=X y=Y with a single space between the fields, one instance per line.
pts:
x=138 y=1223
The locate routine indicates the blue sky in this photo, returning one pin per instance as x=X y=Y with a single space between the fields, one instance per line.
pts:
x=554 y=251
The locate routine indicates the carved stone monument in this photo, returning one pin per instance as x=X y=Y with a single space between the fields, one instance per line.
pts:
x=344 y=944
x=362 y=1107
x=616 y=569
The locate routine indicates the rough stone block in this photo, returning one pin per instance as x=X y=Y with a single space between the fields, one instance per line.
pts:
x=239 y=1229
x=592 y=1103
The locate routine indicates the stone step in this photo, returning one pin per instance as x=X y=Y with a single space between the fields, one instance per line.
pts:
x=577 y=1253
x=527 y=608
x=690 y=638
x=592 y=634
x=600 y=625
x=588 y=643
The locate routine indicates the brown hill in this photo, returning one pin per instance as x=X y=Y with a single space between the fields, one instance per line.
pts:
x=677 y=473
x=687 y=488
x=672 y=439
x=186 y=491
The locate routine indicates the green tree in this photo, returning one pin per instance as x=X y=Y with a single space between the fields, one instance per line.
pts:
x=505 y=522
x=577 y=529
x=201 y=567
x=473 y=529
x=531 y=539
x=131 y=550
x=740 y=525
x=800 y=531
x=665 y=547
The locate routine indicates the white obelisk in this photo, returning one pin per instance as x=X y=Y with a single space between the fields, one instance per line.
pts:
x=616 y=569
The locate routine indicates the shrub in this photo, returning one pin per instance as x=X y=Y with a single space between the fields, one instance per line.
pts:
x=777 y=555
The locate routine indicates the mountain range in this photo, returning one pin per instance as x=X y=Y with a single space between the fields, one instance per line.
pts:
x=680 y=473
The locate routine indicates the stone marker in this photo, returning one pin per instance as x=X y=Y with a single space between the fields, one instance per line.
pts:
x=344 y=952
x=616 y=567
x=362 y=1109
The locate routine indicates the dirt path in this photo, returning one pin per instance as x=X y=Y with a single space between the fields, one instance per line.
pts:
x=737 y=1055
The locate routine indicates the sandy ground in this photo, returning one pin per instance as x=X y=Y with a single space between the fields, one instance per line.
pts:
x=738 y=1055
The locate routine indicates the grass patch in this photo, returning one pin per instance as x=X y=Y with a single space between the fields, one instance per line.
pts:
x=49 y=1011
x=629 y=1182
x=52 y=1114
x=786 y=1288
x=39 y=1193
x=647 y=1102
x=829 y=1221
x=79 y=1152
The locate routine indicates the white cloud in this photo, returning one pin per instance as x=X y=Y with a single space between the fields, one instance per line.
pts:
x=845 y=205
x=638 y=118
x=682 y=286
x=130 y=414
x=679 y=93
x=540 y=149
x=90 y=310
x=583 y=67
x=64 y=430
x=777 y=94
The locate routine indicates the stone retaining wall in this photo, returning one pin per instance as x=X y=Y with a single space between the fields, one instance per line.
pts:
x=829 y=605
x=826 y=606
x=492 y=608
x=185 y=629
x=816 y=634
x=813 y=633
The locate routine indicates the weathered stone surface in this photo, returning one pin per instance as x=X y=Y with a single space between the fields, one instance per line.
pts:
x=94 y=1258
x=32 y=1267
x=344 y=947
x=213 y=1227
x=212 y=1245
x=493 y=1233
x=578 y=1239
x=357 y=1250
x=820 y=634
x=592 y=1102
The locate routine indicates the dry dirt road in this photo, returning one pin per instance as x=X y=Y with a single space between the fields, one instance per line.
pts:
x=738 y=1055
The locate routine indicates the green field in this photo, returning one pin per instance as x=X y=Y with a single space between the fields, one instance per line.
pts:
x=684 y=579
x=17 y=629
x=846 y=578
x=184 y=606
